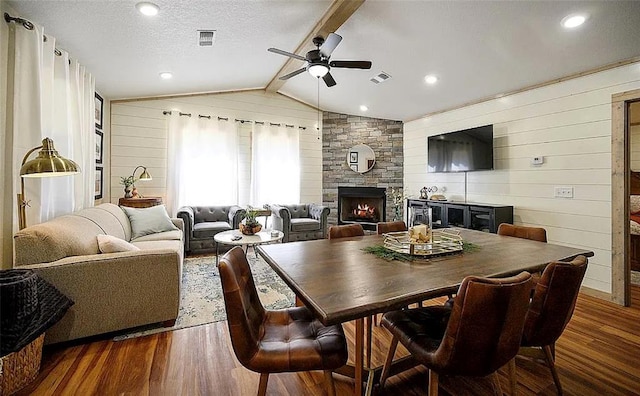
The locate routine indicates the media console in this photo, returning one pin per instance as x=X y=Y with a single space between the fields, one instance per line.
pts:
x=476 y=216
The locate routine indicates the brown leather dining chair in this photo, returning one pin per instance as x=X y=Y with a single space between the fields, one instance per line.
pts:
x=391 y=226
x=534 y=233
x=480 y=333
x=285 y=340
x=345 y=231
x=549 y=313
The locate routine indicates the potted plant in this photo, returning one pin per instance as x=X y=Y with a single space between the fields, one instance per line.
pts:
x=250 y=225
x=127 y=182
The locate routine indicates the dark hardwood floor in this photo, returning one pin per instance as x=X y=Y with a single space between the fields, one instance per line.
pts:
x=598 y=354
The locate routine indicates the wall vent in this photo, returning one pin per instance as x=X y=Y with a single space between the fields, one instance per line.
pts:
x=206 y=38
x=381 y=77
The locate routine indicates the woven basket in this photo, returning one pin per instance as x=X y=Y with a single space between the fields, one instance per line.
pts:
x=18 y=369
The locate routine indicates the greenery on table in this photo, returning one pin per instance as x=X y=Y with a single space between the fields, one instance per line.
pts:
x=390 y=255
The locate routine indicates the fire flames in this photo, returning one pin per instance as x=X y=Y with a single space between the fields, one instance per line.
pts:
x=364 y=210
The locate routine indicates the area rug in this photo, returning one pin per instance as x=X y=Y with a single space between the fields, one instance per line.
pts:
x=202 y=300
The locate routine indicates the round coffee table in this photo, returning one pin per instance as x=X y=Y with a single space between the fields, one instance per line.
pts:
x=228 y=238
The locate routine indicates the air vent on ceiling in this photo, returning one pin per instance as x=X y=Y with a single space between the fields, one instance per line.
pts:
x=381 y=77
x=206 y=38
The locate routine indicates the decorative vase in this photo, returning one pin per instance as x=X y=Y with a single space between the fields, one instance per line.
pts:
x=127 y=192
x=250 y=229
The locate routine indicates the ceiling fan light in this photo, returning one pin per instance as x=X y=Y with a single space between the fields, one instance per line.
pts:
x=318 y=69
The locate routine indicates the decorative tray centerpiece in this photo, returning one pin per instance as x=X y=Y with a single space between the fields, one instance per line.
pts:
x=427 y=243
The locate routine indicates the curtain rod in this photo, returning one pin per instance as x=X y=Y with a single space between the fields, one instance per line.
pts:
x=29 y=26
x=168 y=112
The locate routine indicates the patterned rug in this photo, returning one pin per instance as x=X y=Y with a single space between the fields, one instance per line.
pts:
x=635 y=277
x=202 y=301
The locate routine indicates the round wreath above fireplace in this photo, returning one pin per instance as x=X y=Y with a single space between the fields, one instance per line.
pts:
x=361 y=158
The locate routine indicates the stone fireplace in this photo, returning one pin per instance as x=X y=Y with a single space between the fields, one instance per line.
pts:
x=363 y=205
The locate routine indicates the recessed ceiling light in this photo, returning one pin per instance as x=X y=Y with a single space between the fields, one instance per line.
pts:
x=148 y=9
x=166 y=75
x=363 y=108
x=431 y=79
x=573 y=21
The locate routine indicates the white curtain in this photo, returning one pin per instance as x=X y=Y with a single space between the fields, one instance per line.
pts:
x=202 y=166
x=275 y=165
x=50 y=97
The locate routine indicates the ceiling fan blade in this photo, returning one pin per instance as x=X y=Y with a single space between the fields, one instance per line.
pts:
x=330 y=44
x=285 y=53
x=292 y=74
x=351 y=64
x=328 y=79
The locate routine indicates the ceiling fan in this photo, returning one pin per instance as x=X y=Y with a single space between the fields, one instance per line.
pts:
x=318 y=64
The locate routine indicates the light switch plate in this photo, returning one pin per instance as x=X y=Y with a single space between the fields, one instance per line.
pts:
x=538 y=160
x=563 y=192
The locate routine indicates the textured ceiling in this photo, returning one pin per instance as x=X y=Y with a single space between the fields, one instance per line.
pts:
x=478 y=49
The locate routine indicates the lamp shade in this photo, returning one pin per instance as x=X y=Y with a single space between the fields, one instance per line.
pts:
x=48 y=163
x=145 y=176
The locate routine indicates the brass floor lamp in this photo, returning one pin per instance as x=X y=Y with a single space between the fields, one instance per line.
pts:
x=48 y=163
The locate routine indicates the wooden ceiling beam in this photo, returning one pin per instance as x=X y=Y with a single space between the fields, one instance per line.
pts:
x=336 y=15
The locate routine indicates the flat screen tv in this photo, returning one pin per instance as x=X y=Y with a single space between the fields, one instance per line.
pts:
x=461 y=151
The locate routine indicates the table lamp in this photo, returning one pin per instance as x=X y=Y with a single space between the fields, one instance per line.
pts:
x=48 y=163
x=144 y=176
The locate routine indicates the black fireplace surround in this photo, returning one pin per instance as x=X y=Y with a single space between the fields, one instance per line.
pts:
x=362 y=205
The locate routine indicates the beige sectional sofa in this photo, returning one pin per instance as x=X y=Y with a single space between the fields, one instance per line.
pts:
x=111 y=291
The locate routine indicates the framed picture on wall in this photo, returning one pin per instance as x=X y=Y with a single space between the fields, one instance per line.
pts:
x=99 y=183
x=99 y=146
x=99 y=108
x=353 y=157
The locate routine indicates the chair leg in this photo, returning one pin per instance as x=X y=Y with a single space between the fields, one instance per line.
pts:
x=262 y=388
x=549 y=352
x=331 y=386
x=433 y=383
x=495 y=384
x=513 y=380
x=387 y=364
x=369 y=321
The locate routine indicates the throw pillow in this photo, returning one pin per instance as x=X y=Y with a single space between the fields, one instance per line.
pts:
x=634 y=204
x=148 y=220
x=111 y=244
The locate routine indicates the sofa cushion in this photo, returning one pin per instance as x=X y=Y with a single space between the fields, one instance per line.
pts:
x=111 y=244
x=145 y=221
x=159 y=245
x=175 y=235
x=110 y=218
x=298 y=211
x=64 y=236
x=209 y=229
x=208 y=214
x=304 y=224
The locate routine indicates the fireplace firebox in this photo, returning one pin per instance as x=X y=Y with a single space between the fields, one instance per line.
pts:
x=363 y=205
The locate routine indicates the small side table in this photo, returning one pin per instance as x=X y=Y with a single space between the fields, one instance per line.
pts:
x=262 y=237
x=145 y=202
x=266 y=213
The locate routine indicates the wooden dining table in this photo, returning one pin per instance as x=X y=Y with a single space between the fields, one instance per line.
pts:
x=340 y=282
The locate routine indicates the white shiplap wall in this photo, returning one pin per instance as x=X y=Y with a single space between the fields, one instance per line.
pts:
x=569 y=123
x=139 y=137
